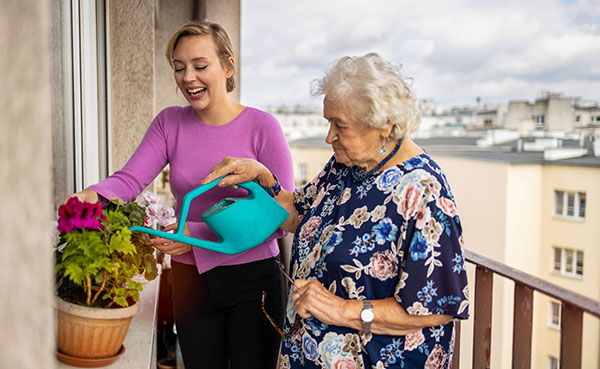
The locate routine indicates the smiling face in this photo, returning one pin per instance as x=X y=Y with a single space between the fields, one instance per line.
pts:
x=199 y=73
x=353 y=143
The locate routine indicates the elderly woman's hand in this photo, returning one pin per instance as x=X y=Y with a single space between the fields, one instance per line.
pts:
x=311 y=298
x=238 y=170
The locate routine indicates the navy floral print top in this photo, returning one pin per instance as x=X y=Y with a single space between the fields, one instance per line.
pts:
x=396 y=234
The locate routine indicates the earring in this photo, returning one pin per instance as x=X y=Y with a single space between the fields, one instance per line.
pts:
x=382 y=150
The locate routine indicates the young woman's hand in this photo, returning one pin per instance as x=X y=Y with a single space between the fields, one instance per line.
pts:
x=171 y=247
x=90 y=196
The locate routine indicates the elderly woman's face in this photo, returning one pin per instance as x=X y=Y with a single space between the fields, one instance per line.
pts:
x=353 y=143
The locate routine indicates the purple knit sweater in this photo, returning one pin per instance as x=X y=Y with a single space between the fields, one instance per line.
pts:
x=179 y=138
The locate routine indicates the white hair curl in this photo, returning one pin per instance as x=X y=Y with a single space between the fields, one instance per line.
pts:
x=374 y=90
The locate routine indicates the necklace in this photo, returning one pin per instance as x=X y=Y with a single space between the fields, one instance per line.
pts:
x=359 y=175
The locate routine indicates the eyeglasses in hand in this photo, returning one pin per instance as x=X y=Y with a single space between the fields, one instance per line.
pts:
x=297 y=322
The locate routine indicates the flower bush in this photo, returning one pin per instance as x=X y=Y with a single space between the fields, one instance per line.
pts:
x=97 y=256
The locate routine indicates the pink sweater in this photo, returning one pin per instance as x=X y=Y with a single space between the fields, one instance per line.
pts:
x=191 y=147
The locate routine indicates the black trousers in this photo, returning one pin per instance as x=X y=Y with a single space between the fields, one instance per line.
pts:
x=218 y=315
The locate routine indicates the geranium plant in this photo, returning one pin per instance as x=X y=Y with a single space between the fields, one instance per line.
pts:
x=97 y=255
x=156 y=214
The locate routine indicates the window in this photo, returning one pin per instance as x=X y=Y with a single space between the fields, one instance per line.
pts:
x=487 y=123
x=570 y=204
x=568 y=262
x=538 y=121
x=554 y=315
x=79 y=119
x=552 y=362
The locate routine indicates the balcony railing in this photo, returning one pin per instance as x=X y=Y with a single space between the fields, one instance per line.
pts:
x=573 y=307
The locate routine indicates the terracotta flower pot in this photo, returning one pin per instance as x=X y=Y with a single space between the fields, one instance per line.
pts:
x=91 y=333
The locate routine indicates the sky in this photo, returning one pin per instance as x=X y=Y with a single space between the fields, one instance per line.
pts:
x=453 y=51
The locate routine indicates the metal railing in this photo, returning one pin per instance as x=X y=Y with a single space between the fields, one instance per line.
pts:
x=571 y=328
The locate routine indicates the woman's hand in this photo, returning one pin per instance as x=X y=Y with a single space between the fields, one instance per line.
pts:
x=238 y=170
x=311 y=298
x=90 y=196
x=172 y=247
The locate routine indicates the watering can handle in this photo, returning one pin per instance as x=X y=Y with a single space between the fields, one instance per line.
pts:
x=187 y=200
x=179 y=236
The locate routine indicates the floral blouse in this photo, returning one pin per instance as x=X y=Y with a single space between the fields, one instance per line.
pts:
x=396 y=234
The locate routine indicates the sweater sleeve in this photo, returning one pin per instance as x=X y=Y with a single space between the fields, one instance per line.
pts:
x=145 y=164
x=274 y=153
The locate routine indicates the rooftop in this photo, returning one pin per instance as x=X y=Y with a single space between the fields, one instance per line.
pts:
x=466 y=147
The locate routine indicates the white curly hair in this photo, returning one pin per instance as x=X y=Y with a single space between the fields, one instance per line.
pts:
x=374 y=90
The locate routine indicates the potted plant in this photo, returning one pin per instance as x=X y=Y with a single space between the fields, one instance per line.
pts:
x=98 y=261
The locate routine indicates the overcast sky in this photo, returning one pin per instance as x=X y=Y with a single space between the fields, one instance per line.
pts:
x=454 y=50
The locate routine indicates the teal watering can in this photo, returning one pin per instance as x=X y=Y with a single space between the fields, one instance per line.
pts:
x=239 y=223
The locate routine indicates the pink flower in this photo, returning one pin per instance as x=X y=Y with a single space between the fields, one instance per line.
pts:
x=436 y=359
x=410 y=204
x=310 y=227
x=382 y=265
x=148 y=198
x=166 y=216
x=413 y=340
x=78 y=215
x=344 y=363
x=447 y=206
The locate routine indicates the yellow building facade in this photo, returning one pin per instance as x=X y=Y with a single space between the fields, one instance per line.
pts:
x=509 y=214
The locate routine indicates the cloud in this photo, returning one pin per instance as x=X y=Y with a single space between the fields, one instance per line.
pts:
x=454 y=50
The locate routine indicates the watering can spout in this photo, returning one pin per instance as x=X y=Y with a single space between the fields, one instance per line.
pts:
x=239 y=223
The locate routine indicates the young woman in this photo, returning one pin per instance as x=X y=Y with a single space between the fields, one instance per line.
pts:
x=217 y=297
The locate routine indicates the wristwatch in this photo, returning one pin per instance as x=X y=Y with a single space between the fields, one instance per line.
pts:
x=367 y=315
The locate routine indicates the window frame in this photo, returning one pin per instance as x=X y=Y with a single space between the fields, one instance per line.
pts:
x=555 y=320
x=576 y=256
x=562 y=210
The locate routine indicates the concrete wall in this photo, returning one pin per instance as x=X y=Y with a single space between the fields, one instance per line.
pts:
x=517 y=110
x=560 y=114
x=131 y=45
x=228 y=14
x=26 y=271
x=170 y=15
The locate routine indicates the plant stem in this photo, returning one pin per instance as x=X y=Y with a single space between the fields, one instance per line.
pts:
x=101 y=287
x=88 y=283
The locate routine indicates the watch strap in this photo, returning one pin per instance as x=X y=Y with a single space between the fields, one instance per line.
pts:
x=367 y=324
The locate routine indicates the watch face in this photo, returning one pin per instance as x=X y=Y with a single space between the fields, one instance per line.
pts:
x=367 y=315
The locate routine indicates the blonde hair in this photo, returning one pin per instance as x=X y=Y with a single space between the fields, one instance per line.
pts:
x=375 y=92
x=224 y=47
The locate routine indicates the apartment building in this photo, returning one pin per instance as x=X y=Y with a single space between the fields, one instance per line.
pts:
x=540 y=217
x=553 y=111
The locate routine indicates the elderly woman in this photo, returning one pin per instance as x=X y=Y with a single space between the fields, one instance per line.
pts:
x=377 y=266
